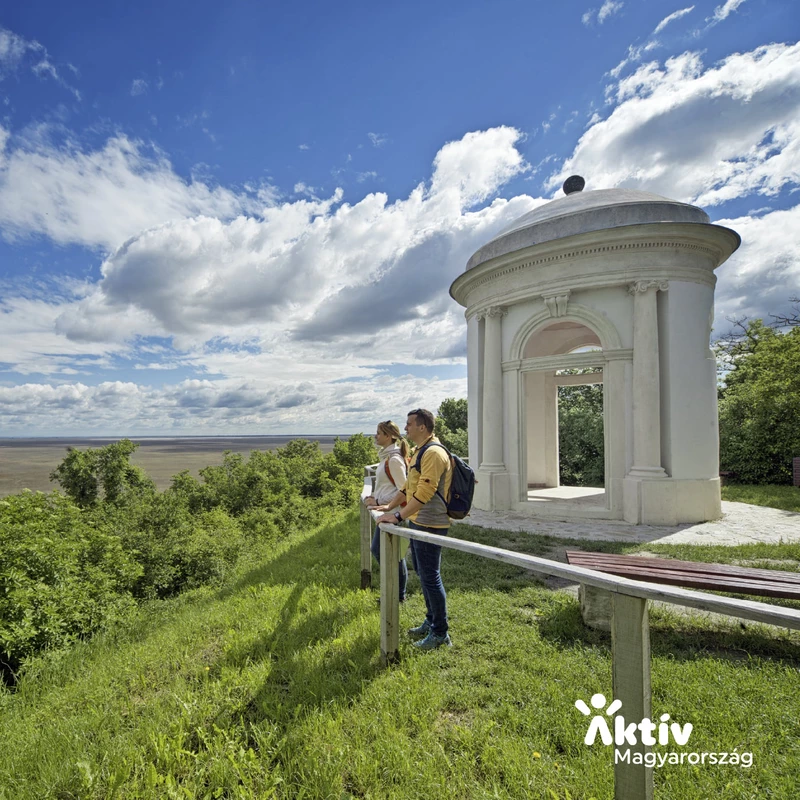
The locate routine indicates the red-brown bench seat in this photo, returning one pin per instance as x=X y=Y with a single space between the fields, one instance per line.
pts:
x=693 y=574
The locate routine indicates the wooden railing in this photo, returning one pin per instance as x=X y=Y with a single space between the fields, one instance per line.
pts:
x=630 y=631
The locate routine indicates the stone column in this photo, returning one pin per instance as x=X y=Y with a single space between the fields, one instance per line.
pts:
x=493 y=392
x=646 y=389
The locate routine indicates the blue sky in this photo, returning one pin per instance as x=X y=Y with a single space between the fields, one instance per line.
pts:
x=216 y=218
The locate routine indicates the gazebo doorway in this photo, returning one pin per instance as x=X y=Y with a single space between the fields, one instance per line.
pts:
x=558 y=360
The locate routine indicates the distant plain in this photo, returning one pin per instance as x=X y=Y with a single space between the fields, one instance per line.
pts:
x=27 y=463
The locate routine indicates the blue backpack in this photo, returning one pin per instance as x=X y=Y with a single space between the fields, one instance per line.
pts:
x=462 y=484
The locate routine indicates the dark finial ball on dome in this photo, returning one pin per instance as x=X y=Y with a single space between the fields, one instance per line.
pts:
x=574 y=184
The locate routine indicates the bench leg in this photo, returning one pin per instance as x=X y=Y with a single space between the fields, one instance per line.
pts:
x=595 y=607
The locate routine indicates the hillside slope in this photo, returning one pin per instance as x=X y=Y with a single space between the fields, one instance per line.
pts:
x=271 y=687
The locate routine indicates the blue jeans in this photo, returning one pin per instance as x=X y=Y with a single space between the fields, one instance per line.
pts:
x=427 y=561
x=375 y=548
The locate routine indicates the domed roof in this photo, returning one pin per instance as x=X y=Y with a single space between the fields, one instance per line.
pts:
x=583 y=212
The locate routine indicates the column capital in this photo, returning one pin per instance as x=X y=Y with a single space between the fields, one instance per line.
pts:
x=492 y=311
x=640 y=287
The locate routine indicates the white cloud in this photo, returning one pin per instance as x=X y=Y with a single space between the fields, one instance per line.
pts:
x=365 y=176
x=15 y=51
x=303 y=147
x=671 y=18
x=198 y=407
x=139 y=86
x=764 y=273
x=724 y=11
x=378 y=139
x=98 y=198
x=302 y=259
x=308 y=288
x=303 y=188
x=607 y=9
x=703 y=135
x=12 y=50
x=634 y=55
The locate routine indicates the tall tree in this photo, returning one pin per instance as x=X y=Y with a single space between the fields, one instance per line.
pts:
x=760 y=405
x=86 y=474
x=451 y=425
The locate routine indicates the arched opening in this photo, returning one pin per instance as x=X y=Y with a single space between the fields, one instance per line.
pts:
x=564 y=416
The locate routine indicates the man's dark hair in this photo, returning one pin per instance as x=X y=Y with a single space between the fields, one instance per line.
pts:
x=424 y=417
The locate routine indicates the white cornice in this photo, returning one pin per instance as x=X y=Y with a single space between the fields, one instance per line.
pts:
x=712 y=244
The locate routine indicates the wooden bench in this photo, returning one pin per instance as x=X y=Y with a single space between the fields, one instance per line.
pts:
x=595 y=604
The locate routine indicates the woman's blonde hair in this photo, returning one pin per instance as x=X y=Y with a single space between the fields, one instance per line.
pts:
x=390 y=428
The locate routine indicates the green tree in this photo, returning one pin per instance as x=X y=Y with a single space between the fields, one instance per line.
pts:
x=760 y=404
x=453 y=413
x=451 y=425
x=580 y=435
x=87 y=475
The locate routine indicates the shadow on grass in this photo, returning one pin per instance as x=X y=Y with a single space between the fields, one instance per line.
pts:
x=471 y=572
x=315 y=655
x=315 y=658
x=562 y=625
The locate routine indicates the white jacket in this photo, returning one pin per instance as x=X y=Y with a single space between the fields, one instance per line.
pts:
x=384 y=489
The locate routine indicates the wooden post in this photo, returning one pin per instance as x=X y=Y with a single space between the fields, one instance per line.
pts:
x=390 y=598
x=367 y=526
x=630 y=653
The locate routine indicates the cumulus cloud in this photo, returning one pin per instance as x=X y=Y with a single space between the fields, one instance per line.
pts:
x=703 y=135
x=759 y=279
x=294 y=263
x=283 y=306
x=139 y=86
x=378 y=139
x=98 y=198
x=306 y=294
x=202 y=407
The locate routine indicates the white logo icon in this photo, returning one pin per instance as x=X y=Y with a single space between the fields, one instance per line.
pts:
x=626 y=734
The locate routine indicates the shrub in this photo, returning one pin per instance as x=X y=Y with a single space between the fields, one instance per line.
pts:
x=61 y=577
x=176 y=549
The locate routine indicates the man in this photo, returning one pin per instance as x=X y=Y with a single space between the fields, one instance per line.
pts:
x=423 y=505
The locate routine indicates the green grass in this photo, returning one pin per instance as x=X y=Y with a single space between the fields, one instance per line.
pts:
x=783 y=497
x=272 y=687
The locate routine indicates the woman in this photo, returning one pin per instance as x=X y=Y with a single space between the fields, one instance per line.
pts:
x=389 y=477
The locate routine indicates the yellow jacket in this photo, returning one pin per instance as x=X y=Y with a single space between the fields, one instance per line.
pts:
x=435 y=474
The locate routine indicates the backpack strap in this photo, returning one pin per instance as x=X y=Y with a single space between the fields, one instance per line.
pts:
x=388 y=472
x=418 y=462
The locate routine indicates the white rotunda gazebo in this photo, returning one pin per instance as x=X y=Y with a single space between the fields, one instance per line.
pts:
x=618 y=284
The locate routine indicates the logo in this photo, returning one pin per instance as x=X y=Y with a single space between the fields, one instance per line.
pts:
x=647 y=733
x=627 y=733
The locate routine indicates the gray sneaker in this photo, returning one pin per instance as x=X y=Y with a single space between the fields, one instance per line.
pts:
x=420 y=630
x=432 y=641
